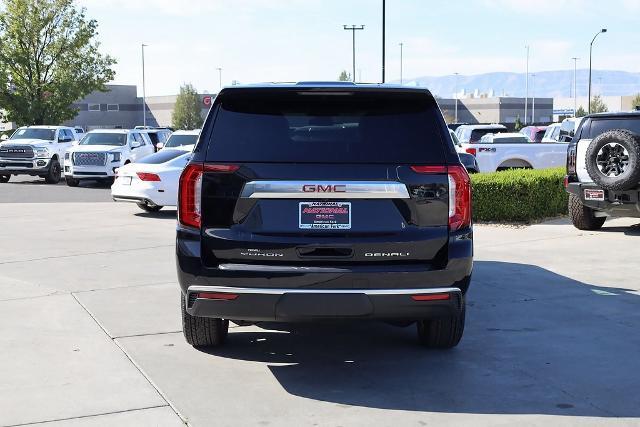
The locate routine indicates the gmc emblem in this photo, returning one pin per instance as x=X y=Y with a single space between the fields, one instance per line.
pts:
x=319 y=188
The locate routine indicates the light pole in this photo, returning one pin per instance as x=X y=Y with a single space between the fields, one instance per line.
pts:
x=144 y=92
x=401 y=44
x=526 y=96
x=533 y=105
x=383 y=36
x=604 y=30
x=456 y=98
x=219 y=78
x=353 y=29
x=575 y=85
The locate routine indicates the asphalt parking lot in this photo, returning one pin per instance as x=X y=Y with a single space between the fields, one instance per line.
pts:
x=90 y=333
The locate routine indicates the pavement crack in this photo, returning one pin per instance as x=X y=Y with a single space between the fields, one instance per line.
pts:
x=133 y=362
x=79 y=417
x=86 y=254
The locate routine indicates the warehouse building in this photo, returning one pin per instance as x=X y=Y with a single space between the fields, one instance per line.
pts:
x=120 y=107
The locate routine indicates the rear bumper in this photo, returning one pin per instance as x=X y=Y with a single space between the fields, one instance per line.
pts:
x=272 y=292
x=615 y=203
x=264 y=304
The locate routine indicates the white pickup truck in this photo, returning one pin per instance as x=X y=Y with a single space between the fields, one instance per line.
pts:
x=36 y=151
x=496 y=152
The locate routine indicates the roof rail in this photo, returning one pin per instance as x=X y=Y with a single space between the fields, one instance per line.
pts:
x=325 y=83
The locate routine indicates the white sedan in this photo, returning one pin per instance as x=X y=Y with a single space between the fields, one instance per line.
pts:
x=152 y=182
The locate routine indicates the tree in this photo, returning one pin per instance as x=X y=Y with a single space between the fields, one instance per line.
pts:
x=49 y=58
x=580 y=112
x=344 y=76
x=598 y=105
x=186 y=114
x=635 y=102
x=518 y=125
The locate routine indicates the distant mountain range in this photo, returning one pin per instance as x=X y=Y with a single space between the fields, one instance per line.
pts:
x=545 y=83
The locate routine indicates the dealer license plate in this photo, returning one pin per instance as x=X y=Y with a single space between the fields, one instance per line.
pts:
x=325 y=215
x=597 y=195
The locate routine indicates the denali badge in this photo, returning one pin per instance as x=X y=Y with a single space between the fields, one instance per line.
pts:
x=387 y=254
x=319 y=188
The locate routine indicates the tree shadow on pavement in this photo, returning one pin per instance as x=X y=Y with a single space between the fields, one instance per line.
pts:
x=536 y=343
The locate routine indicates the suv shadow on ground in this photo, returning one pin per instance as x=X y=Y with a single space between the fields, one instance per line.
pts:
x=536 y=343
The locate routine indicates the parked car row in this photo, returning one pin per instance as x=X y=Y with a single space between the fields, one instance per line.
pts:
x=53 y=152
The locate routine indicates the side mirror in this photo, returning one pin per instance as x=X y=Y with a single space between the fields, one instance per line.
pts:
x=159 y=146
x=135 y=144
x=4 y=137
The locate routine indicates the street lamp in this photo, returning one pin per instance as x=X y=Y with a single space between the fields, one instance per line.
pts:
x=526 y=96
x=533 y=106
x=604 y=30
x=384 y=13
x=401 y=44
x=353 y=29
x=575 y=85
x=219 y=78
x=144 y=93
x=456 y=98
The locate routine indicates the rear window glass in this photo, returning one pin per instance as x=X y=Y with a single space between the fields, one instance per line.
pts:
x=599 y=126
x=180 y=140
x=162 y=156
x=342 y=127
x=477 y=134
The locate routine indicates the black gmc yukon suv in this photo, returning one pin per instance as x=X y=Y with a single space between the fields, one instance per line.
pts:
x=316 y=201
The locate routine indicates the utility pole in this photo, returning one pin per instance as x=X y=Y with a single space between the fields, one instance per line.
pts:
x=219 y=78
x=401 y=44
x=575 y=85
x=533 y=106
x=383 y=36
x=144 y=92
x=526 y=97
x=456 y=97
x=353 y=29
x=604 y=30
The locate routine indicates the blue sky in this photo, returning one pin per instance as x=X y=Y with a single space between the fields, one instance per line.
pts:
x=291 y=40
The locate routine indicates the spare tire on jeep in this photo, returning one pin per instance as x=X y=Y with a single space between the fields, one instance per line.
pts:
x=613 y=160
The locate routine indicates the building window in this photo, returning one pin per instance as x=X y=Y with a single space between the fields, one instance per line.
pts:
x=94 y=107
x=113 y=107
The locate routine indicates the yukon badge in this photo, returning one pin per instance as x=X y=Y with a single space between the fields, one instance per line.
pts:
x=387 y=254
x=259 y=253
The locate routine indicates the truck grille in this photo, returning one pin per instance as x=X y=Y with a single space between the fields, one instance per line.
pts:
x=16 y=152
x=89 y=159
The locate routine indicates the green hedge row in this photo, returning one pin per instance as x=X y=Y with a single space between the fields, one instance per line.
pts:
x=519 y=195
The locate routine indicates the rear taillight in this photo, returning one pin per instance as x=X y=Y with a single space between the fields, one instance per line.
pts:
x=571 y=159
x=429 y=169
x=459 y=193
x=471 y=151
x=190 y=191
x=146 y=176
x=459 y=198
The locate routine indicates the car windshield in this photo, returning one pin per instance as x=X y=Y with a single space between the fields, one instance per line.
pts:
x=162 y=156
x=35 y=133
x=338 y=127
x=181 y=140
x=116 y=139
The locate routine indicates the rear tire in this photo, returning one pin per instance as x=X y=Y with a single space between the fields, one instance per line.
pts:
x=203 y=331
x=583 y=217
x=55 y=173
x=147 y=208
x=442 y=332
x=72 y=182
x=5 y=178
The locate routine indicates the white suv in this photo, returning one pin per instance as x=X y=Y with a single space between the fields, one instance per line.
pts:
x=101 y=152
x=35 y=151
